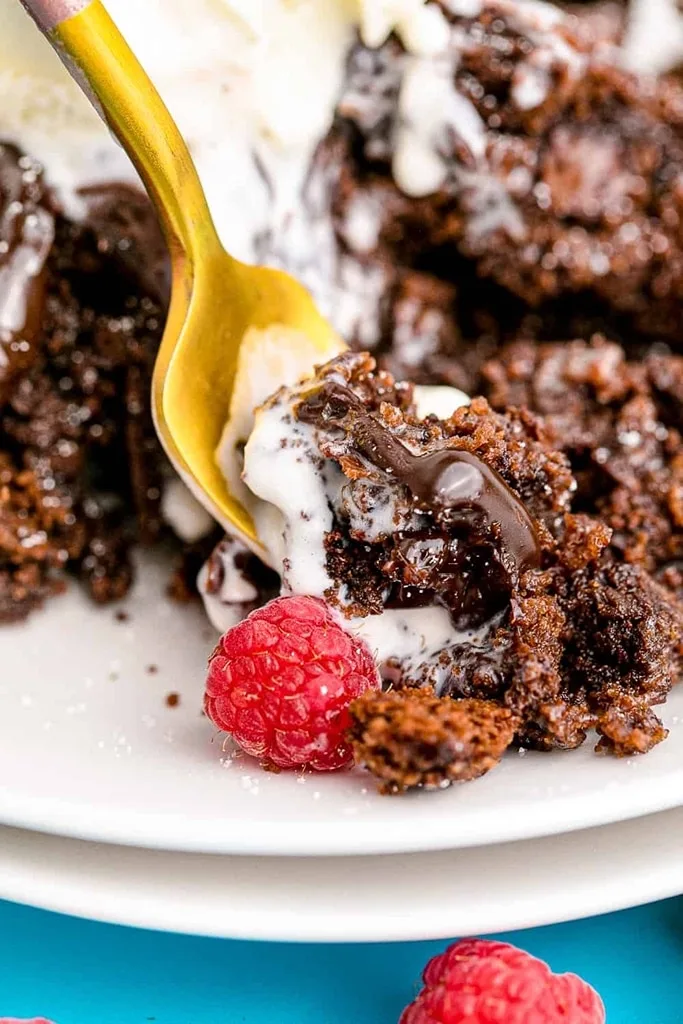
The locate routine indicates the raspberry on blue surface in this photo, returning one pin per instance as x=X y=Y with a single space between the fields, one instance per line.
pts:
x=477 y=981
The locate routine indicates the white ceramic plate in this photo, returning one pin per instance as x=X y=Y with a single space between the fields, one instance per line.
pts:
x=89 y=749
x=351 y=899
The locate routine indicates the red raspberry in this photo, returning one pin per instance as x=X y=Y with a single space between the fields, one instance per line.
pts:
x=281 y=682
x=480 y=982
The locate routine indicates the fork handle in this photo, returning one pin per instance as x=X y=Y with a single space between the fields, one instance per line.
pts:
x=103 y=65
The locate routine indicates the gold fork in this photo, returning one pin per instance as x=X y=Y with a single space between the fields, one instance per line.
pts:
x=215 y=299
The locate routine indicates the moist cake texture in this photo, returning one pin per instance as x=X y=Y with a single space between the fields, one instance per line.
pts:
x=550 y=632
x=549 y=168
x=81 y=312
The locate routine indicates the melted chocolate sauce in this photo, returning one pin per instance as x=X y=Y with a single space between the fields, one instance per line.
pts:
x=455 y=486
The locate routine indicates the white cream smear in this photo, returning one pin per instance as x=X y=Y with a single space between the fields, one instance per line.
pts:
x=232 y=600
x=183 y=513
x=253 y=85
x=293 y=494
x=654 y=37
x=284 y=471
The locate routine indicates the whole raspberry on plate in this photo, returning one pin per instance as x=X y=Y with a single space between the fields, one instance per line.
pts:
x=476 y=981
x=281 y=683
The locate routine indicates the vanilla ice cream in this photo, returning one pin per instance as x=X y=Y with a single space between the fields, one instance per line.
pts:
x=251 y=83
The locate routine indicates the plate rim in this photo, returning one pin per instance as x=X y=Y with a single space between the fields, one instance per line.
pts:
x=227 y=835
x=30 y=876
x=345 y=822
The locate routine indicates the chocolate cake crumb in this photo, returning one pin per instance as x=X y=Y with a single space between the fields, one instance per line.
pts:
x=182 y=586
x=600 y=21
x=172 y=700
x=542 y=272
x=415 y=738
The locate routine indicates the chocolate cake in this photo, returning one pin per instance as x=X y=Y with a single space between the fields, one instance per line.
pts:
x=602 y=21
x=82 y=307
x=554 y=631
x=541 y=267
x=535 y=264
x=503 y=217
x=552 y=170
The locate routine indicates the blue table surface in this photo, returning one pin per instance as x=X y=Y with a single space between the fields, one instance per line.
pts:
x=79 y=972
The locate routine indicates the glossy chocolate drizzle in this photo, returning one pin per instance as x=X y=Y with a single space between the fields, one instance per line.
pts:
x=476 y=538
x=457 y=487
